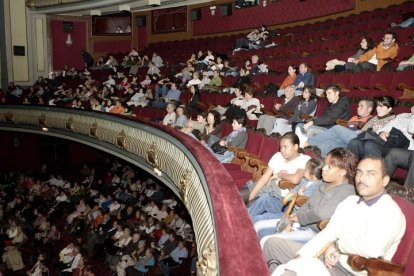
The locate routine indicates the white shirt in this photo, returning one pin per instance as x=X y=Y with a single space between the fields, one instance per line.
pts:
x=368 y=230
x=169 y=119
x=278 y=163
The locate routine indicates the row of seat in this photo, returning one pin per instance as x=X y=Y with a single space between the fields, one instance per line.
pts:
x=372 y=23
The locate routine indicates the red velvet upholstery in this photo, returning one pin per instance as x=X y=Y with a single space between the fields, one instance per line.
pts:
x=62 y=54
x=324 y=80
x=383 y=78
x=254 y=142
x=226 y=129
x=405 y=251
x=270 y=147
x=285 y=11
x=361 y=79
x=112 y=46
x=343 y=79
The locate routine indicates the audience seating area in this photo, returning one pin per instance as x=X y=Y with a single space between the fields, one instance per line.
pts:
x=314 y=44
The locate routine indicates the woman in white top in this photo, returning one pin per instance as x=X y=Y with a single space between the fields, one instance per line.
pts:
x=251 y=104
x=138 y=99
x=288 y=164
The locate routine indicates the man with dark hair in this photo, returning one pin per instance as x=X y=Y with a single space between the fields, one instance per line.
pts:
x=339 y=109
x=339 y=136
x=369 y=225
x=375 y=59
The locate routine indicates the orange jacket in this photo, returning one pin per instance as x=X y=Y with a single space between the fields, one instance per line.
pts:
x=289 y=80
x=383 y=55
x=117 y=109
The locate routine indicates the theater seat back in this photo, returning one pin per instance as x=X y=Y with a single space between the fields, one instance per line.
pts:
x=405 y=250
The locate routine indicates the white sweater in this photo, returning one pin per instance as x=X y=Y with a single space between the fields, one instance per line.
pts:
x=368 y=231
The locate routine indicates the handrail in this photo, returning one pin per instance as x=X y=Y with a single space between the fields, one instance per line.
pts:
x=226 y=242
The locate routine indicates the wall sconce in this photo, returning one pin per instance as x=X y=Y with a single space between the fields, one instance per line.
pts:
x=264 y=3
x=69 y=40
x=213 y=10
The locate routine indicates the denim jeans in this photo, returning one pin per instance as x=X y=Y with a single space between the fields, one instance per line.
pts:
x=298 y=234
x=226 y=157
x=334 y=137
x=264 y=204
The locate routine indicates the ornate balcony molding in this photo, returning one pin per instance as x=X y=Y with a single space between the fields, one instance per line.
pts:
x=147 y=147
x=49 y=3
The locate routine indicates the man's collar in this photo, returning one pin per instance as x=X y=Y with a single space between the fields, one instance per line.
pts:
x=371 y=201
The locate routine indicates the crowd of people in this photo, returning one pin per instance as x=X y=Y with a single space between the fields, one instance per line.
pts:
x=110 y=219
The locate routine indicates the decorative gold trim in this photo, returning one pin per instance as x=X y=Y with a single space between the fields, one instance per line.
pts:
x=8 y=117
x=69 y=124
x=181 y=171
x=42 y=120
x=206 y=263
x=184 y=183
x=93 y=130
x=152 y=156
x=121 y=139
x=49 y=3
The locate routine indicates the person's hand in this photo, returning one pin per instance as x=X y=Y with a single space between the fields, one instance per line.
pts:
x=282 y=174
x=252 y=196
x=384 y=135
x=301 y=191
x=277 y=106
x=293 y=218
x=222 y=143
x=331 y=256
x=307 y=126
x=288 y=228
x=275 y=176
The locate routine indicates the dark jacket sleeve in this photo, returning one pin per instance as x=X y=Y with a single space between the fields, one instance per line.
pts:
x=307 y=79
x=340 y=110
x=303 y=109
x=321 y=206
x=194 y=101
x=290 y=106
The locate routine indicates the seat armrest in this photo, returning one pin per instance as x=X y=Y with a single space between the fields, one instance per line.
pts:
x=242 y=154
x=284 y=184
x=306 y=117
x=236 y=150
x=322 y=224
x=403 y=86
x=381 y=87
x=343 y=87
x=301 y=200
x=375 y=266
x=271 y=113
x=258 y=166
x=341 y=122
